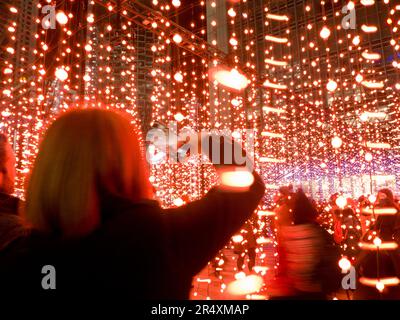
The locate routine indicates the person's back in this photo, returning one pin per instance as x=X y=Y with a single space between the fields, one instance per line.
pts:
x=120 y=242
x=151 y=252
x=372 y=264
x=127 y=253
x=310 y=260
x=303 y=246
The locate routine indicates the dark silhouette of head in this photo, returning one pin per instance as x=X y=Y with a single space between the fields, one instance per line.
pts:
x=385 y=198
x=347 y=212
x=304 y=212
x=86 y=156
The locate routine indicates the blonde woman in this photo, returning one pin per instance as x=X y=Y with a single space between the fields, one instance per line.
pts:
x=89 y=205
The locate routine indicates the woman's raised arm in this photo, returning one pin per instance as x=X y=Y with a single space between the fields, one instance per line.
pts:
x=198 y=230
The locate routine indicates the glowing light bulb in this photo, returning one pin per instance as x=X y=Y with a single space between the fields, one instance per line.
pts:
x=240 y=275
x=179 y=202
x=369 y=29
x=336 y=142
x=344 y=264
x=235 y=102
x=276 y=62
x=359 y=78
x=237 y=179
x=177 y=38
x=61 y=18
x=232 y=13
x=341 y=202
x=368 y=157
x=278 y=86
x=176 y=3
x=331 y=85
x=277 y=17
x=88 y=48
x=246 y=285
x=87 y=78
x=90 y=18
x=236 y=135
x=356 y=40
x=380 y=286
x=61 y=74
x=178 y=77
x=351 y=5
x=364 y=117
x=233 y=41
x=179 y=117
x=325 y=33
x=371 y=56
x=276 y=39
x=237 y=238
x=377 y=242
x=232 y=79
x=372 y=198
x=367 y=2
x=373 y=84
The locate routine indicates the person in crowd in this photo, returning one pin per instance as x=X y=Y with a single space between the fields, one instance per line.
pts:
x=283 y=217
x=11 y=227
x=337 y=225
x=347 y=231
x=218 y=263
x=325 y=218
x=373 y=264
x=385 y=199
x=311 y=256
x=284 y=201
x=247 y=247
x=352 y=231
x=88 y=203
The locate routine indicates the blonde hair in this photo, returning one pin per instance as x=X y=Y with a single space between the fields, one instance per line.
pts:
x=84 y=156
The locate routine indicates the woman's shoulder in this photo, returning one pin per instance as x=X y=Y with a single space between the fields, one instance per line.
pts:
x=116 y=205
x=126 y=210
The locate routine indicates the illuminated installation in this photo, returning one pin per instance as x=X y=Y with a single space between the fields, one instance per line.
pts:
x=310 y=88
